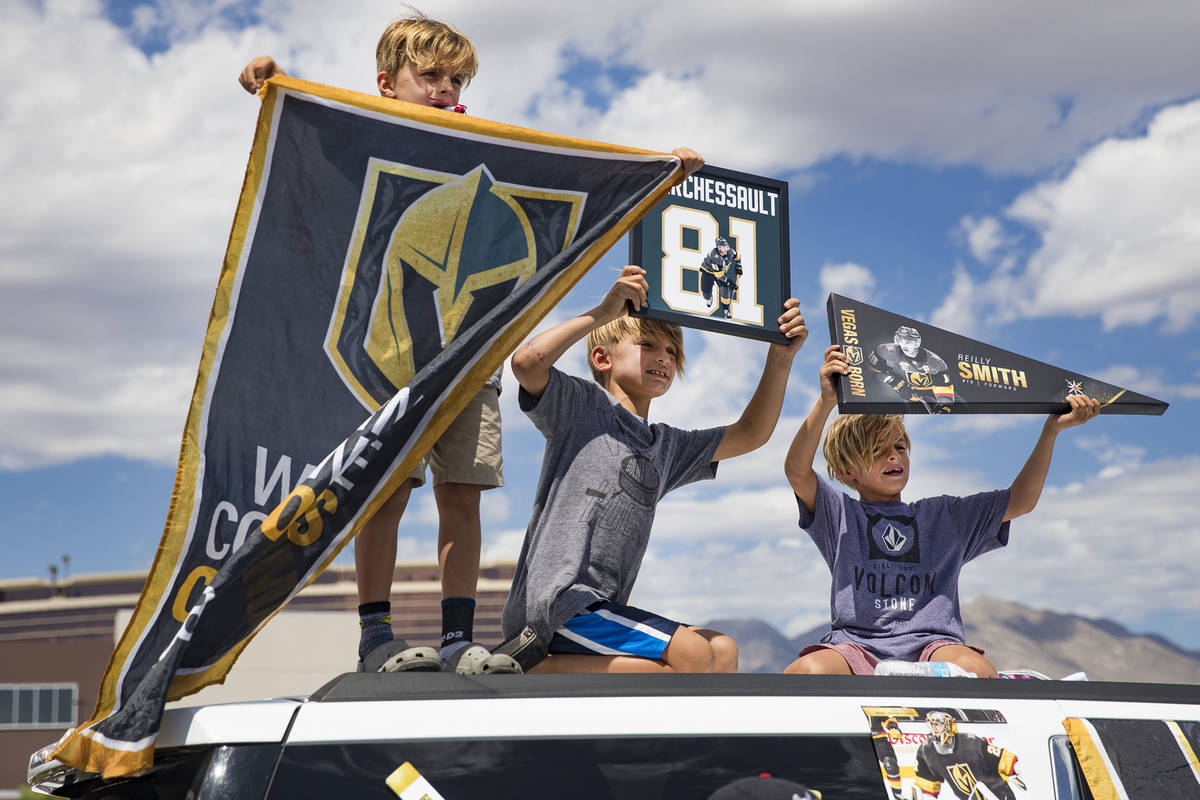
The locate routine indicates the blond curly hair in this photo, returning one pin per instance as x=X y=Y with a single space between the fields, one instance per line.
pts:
x=854 y=441
x=425 y=42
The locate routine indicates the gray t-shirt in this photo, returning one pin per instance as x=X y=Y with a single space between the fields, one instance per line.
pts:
x=895 y=566
x=603 y=472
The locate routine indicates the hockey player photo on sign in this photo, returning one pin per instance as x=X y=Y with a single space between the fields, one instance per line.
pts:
x=923 y=754
x=721 y=267
x=971 y=766
x=715 y=251
x=913 y=372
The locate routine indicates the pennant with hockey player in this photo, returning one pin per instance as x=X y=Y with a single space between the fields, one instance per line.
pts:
x=385 y=259
x=901 y=366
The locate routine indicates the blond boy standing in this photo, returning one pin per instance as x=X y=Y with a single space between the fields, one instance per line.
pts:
x=427 y=62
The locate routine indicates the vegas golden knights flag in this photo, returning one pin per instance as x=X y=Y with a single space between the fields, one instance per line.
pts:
x=1137 y=759
x=901 y=366
x=385 y=259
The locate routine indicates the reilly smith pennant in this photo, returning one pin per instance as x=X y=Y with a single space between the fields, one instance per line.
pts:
x=385 y=259
x=901 y=366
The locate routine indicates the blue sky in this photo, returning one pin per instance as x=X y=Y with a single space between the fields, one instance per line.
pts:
x=1022 y=175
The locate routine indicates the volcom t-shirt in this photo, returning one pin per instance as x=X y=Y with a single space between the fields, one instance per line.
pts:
x=895 y=565
x=603 y=472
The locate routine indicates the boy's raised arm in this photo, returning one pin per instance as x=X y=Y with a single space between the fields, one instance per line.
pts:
x=798 y=465
x=755 y=425
x=533 y=360
x=1026 y=489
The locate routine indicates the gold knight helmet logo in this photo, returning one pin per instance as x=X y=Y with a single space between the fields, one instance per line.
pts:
x=962 y=777
x=431 y=254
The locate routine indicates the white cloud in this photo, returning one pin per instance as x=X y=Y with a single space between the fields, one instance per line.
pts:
x=1113 y=530
x=44 y=424
x=969 y=306
x=1120 y=234
x=848 y=279
x=984 y=236
x=977 y=424
x=722 y=372
x=1119 y=237
x=122 y=178
x=931 y=80
x=1111 y=453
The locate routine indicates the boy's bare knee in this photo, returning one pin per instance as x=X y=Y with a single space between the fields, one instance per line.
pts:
x=458 y=502
x=987 y=671
x=724 y=648
x=803 y=666
x=688 y=651
x=968 y=659
x=822 y=662
x=725 y=653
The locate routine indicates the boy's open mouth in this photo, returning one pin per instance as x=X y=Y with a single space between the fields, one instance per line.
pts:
x=893 y=471
x=446 y=105
x=657 y=372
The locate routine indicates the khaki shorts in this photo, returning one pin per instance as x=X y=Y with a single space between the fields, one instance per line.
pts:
x=469 y=450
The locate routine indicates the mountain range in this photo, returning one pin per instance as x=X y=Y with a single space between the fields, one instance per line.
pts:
x=1014 y=637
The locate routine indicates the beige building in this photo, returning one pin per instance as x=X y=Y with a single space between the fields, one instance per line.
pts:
x=56 y=638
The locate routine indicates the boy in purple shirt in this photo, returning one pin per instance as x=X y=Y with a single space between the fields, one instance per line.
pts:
x=895 y=565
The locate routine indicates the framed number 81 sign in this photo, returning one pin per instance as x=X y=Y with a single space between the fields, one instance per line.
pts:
x=715 y=251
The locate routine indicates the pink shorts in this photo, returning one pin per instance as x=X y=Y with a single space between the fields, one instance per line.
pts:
x=863 y=663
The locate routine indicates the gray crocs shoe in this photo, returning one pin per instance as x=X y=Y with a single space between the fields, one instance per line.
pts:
x=397 y=656
x=474 y=659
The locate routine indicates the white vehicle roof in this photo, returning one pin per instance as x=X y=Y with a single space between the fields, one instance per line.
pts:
x=361 y=707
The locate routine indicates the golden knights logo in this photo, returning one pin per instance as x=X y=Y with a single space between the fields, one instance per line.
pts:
x=962 y=777
x=921 y=379
x=854 y=354
x=431 y=254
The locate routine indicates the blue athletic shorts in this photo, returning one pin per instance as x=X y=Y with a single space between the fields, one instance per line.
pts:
x=611 y=629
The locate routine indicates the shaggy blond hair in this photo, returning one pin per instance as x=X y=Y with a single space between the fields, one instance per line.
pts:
x=425 y=42
x=854 y=441
x=633 y=329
